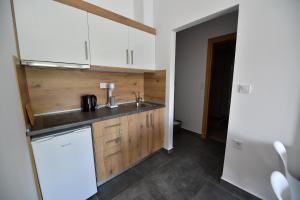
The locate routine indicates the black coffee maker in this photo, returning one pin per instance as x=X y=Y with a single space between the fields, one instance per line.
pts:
x=88 y=103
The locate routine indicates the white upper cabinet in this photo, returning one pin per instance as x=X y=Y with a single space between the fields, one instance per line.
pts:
x=108 y=42
x=116 y=45
x=121 y=7
x=142 y=49
x=49 y=31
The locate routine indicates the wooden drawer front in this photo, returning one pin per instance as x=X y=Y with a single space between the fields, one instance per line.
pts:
x=112 y=147
x=106 y=127
x=112 y=130
x=109 y=165
x=112 y=136
x=113 y=164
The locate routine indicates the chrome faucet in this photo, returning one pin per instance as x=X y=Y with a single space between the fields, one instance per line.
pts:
x=138 y=99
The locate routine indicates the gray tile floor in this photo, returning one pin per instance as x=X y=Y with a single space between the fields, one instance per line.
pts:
x=191 y=171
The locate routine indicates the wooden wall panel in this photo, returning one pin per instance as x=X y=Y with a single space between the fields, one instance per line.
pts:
x=155 y=86
x=61 y=89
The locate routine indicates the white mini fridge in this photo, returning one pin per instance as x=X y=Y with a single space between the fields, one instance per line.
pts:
x=65 y=165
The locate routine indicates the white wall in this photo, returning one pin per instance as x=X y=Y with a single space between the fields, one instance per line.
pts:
x=16 y=176
x=139 y=10
x=267 y=56
x=191 y=56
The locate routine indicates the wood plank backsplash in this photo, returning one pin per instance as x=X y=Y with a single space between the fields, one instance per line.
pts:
x=53 y=90
x=155 y=86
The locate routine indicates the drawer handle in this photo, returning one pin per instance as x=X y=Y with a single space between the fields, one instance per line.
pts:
x=117 y=140
x=117 y=152
x=114 y=125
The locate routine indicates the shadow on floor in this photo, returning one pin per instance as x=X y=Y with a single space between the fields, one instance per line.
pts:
x=191 y=171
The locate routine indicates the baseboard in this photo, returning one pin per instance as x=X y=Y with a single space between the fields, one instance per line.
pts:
x=168 y=151
x=250 y=195
x=191 y=130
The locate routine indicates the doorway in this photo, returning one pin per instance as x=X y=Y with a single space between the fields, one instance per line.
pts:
x=218 y=87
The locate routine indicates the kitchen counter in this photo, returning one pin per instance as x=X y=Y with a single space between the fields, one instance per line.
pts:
x=48 y=124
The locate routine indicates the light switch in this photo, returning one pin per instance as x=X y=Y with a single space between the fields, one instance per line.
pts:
x=245 y=89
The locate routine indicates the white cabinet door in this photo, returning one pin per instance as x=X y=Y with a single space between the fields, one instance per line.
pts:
x=108 y=42
x=121 y=7
x=50 y=31
x=142 y=49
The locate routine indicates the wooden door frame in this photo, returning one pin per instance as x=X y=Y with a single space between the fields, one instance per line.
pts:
x=211 y=42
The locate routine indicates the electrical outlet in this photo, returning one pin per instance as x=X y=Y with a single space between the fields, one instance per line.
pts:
x=238 y=144
x=103 y=85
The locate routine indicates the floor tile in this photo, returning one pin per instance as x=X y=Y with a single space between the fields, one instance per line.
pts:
x=140 y=191
x=178 y=179
x=211 y=191
x=191 y=171
x=118 y=184
x=152 y=163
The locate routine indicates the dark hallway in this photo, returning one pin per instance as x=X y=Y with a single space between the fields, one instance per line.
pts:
x=220 y=89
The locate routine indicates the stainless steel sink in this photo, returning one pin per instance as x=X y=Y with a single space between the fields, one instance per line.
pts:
x=143 y=105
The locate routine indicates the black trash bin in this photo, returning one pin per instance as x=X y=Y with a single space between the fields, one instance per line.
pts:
x=177 y=126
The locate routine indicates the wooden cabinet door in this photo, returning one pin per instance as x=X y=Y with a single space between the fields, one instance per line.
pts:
x=159 y=120
x=144 y=120
x=134 y=138
x=109 y=42
x=142 y=49
x=51 y=31
x=110 y=143
x=156 y=136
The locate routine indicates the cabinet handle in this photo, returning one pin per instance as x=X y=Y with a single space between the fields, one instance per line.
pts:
x=132 y=57
x=127 y=56
x=112 y=154
x=147 y=121
x=152 y=120
x=117 y=140
x=114 y=125
x=86 y=50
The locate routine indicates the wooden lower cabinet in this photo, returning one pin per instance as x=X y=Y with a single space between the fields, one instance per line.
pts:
x=111 y=146
x=121 y=142
x=156 y=135
x=134 y=138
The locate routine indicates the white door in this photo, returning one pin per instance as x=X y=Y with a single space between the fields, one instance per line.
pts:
x=51 y=32
x=65 y=165
x=142 y=49
x=108 y=42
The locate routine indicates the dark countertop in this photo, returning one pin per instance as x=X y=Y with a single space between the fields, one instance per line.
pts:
x=48 y=124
